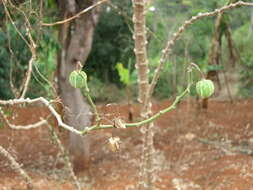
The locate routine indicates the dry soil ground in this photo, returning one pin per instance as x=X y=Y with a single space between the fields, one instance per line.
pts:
x=195 y=150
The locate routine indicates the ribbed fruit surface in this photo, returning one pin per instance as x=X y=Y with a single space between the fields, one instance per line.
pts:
x=77 y=79
x=205 y=88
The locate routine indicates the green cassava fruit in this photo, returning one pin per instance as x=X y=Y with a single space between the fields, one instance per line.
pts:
x=205 y=88
x=78 y=78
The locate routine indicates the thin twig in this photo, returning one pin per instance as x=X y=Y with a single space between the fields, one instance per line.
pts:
x=47 y=104
x=32 y=59
x=16 y=166
x=75 y=16
x=65 y=156
x=198 y=69
x=98 y=119
x=21 y=127
x=32 y=46
x=28 y=76
x=14 y=25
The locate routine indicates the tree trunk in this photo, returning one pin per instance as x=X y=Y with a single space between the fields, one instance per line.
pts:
x=76 y=39
x=146 y=165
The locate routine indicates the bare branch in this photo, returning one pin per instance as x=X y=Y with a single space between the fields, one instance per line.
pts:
x=66 y=157
x=31 y=44
x=22 y=127
x=47 y=104
x=75 y=16
x=28 y=76
x=16 y=166
x=13 y=23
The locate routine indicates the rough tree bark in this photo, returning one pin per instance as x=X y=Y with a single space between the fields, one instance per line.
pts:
x=146 y=166
x=76 y=39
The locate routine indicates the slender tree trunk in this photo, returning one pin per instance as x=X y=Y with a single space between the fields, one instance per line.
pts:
x=76 y=39
x=146 y=166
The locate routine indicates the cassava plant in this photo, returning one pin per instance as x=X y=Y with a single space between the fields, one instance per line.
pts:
x=78 y=22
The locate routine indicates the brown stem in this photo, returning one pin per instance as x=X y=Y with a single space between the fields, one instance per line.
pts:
x=146 y=173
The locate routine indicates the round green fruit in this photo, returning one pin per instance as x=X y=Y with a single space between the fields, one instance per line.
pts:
x=78 y=79
x=205 y=88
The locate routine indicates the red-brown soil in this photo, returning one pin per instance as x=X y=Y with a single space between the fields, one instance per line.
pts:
x=195 y=149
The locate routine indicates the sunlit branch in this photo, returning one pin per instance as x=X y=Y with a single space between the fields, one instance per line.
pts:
x=47 y=104
x=75 y=16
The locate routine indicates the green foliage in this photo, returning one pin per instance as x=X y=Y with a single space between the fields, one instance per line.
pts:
x=164 y=88
x=8 y=112
x=195 y=43
x=112 y=44
x=104 y=92
x=244 y=42
x=45 y=65
x=214 y=68
x=15 y=54
x=4 y=68
x=13 y=59
x=123 y=73
x=127 y=76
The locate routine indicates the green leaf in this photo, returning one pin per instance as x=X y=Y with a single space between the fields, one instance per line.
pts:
x=123 y=73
